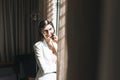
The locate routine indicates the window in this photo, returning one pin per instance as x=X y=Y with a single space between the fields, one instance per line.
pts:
x=52 y=12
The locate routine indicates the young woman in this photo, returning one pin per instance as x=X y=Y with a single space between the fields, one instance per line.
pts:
x=46 y=51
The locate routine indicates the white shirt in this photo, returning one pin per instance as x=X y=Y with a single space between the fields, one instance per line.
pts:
x=45 y=58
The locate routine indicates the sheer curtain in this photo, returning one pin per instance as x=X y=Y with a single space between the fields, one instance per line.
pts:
x=62 y=44
x=18 y=30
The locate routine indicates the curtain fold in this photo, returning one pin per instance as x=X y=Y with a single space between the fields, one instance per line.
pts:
x=110 y=46
x=17 y=32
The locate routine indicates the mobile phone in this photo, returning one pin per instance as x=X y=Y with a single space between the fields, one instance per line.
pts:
x=53 y=36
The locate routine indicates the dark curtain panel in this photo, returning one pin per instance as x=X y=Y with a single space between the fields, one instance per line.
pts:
x=18 y=31
x=93 y=34
x=109 y=65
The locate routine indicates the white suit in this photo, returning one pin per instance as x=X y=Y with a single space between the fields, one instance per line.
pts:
x=46 y=61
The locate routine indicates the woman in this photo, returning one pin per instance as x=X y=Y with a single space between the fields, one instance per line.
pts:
x=46 y=51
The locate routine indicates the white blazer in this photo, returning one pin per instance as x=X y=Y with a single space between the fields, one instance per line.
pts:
x=45 y=59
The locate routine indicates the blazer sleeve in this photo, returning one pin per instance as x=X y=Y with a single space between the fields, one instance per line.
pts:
x=39 y=56
x=41 y=59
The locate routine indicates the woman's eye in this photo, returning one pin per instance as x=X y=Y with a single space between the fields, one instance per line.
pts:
x=44 y=31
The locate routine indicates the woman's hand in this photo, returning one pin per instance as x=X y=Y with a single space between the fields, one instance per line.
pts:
x=50 y=41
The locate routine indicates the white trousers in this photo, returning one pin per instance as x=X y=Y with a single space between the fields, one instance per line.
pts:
x=50 y=76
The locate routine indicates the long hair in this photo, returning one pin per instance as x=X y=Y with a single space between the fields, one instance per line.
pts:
x=42 y=25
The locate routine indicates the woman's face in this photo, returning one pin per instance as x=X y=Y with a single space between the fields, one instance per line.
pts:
x=48 y=31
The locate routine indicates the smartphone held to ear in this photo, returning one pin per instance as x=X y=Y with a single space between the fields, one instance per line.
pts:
x=54 y=37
